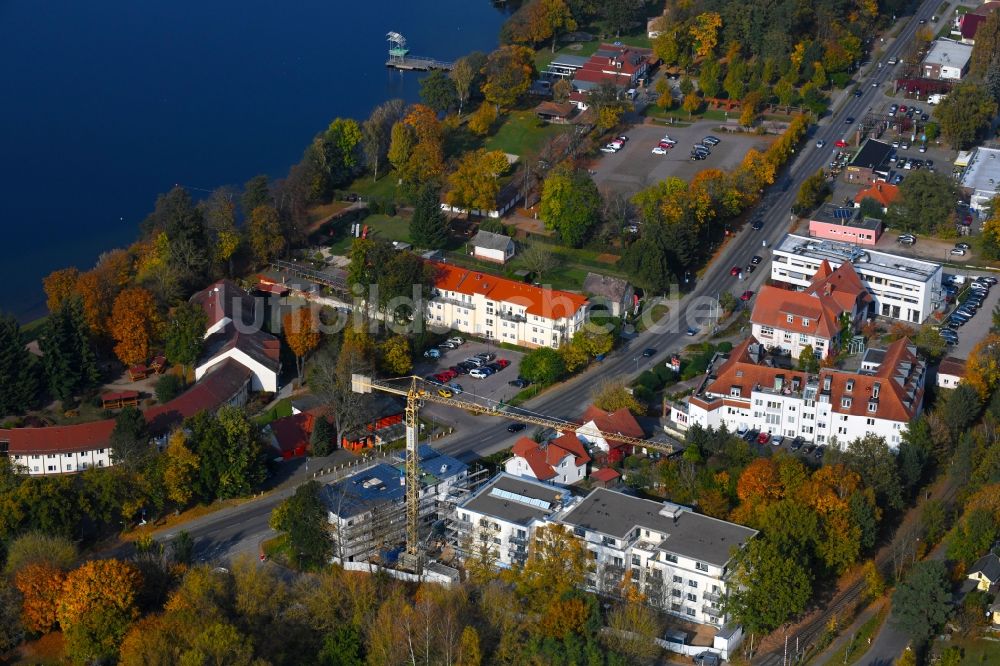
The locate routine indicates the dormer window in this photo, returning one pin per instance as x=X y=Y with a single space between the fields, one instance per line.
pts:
x=872 y=406
x=826 y=383
x=805 y=321
x=845 y=403
x=791 y=318
x=735 y=391
x=850 y=385
x=875 y=389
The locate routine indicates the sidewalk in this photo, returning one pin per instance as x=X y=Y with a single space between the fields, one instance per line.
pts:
x=847 y=635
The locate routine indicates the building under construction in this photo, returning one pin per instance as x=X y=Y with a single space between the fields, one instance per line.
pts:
x=367 y=511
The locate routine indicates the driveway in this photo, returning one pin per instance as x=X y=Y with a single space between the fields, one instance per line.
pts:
x=977 y=328
x=635 y=167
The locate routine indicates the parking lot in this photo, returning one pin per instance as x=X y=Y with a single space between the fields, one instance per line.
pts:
x=977 y=328
x=635 y=167
x=804 y=449
x=493 y=388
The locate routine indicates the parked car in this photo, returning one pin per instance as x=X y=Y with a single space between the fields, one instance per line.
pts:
x=456 y=387
x=796 y=444
x=764 y=438
x=520 y=383
x=691 y=331
x=659 y=150
x=957 y=251
x=751 y=435
x=711 y=140
x=820 y=143
x=962 y=246
x=777 y=440
x=819 y=451
x=445 y=392
x=486 y=356
x=432 y=353
x=734 y=271
x=609 y=149
x=481 y=373
x=750 y=268
x=516 y=427
x=756 y=259
x=988 y=279
x=746 y=295
x=475 y=362
x=456 y=341
x=502 y=362
x=447 y=345
x=757 y=225
x=459 y=369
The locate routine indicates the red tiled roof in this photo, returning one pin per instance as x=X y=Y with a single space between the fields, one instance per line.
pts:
x=222 y=300
x=620 y=422
x=535 y=457
x=293 y=432
x=547 y=303
x=883 y=193
x=843 y=285
x=604 y=475
x=121 y=395
x=898 y=379
x=570 y=443
x=952 y=366
x=555 y=109
x=216 y=388
x=774 y=305
x=544 y=458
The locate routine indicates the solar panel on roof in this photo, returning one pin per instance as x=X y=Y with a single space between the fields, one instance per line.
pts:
x=843 y=213
x=521 y=499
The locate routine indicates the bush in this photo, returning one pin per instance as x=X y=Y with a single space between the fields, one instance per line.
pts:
x=168 y=387
x=665 y=374
x=643 y=394
x=390 y=208
x=375 y=207
x=649 y=381
x=725 y=347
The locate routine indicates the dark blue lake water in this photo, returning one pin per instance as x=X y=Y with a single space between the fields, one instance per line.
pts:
x=103 y=105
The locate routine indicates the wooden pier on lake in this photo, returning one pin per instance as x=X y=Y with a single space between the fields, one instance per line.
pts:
x=400 y=58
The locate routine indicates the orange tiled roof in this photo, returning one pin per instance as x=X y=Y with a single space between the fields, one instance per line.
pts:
x=952 y=366
x=883 y=193
x=899 y=380
x=535 y=457
x=620 y=422
x=543 y=459
x=548 y=303
x=774 y=305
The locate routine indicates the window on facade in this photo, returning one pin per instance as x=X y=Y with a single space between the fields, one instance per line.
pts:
x=678 y=579
x=790 y=319
x=875 y=389
x=701 y=566
x=692 y=583
x=849 y=386
x=690 y=611
x=870 y=422
x=845 y=402
x=675 y=593
x=766 y=330
x=671 y=558
x=872 y=406
x=636 y=561
x=735 y=391
x=609 y=541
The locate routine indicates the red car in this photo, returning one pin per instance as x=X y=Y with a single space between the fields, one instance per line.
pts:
x=734 y=271
x=665 y=145
x=902 y=108
x=746 y=295
x=764 y=438
x=840 y=143
x=502 y=362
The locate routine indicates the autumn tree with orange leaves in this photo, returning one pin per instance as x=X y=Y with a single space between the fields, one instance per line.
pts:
x=97 y=606
x=40 y=585
x=301 y=329
x=58 y=286
x=982 y=371
x=134 y=325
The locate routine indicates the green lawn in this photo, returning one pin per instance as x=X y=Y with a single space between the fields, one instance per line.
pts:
x=523 y=134
x=680 y=116
x=975 y=650
x=280 y=410
x=33 y=328
x=383 y=188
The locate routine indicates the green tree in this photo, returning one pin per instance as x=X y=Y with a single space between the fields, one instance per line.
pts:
x=53 y=550
x=377 y=133
x=185 y=335
x=304 y=520
x=438 y=91
x=396 y=356
x=340 y=150
x=321 y=440
x=930 y=343
x=267 y=239
x=168 y=387
x=256 y=192
x=612 y=396
x=812 y=192
x=402 y=141
x=509 y=71
x=570 y=204
x=922 y=602
x=709 y=77
x=808 y=361
x=67 y=356
x=736 y=79
x=341 y=647
x=18 y=368
x=244 y=453
x=474 y=184
x=620 y=14
x=926 y=202
x=965 y=114
x=728 y=302
x=539 y=259
x=130 y=440
x=543 y=366
x=466 y=73
x=768 y=587
x=986 y=50
x=873 y=460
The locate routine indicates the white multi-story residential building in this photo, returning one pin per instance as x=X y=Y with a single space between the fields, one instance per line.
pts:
x=501 y=516
x=902 y=288
x=562 y=460
x=501 y=309
x=677 y=558
x=790 y=321
x=981 y=178
x=747 y=390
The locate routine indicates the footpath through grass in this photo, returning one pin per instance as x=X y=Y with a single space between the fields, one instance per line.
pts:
x=858 y=645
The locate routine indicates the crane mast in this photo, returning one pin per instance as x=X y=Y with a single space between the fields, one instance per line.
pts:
x=414 y=394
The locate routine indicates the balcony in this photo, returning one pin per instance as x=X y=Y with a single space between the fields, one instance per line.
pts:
x=714 y=597
x=507 y=315
x=521 y=541
x=711 y=611
x=453 y=301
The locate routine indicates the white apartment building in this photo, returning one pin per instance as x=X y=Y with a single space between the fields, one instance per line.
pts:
x=677 y=558
x=981 y=178
x=902 y=288
x=562 y=460
x=497 y=308
x=790 y=321
x=58 y=449
x=501 y=516
x=747 y=390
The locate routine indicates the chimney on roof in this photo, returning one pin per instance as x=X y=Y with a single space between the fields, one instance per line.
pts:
x=827 y=288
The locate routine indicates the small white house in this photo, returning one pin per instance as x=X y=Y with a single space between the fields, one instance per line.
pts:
x=950 y=372
x=489 y=246
x=562 y=460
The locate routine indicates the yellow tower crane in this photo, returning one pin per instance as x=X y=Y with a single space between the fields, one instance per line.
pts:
x=414 y=394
